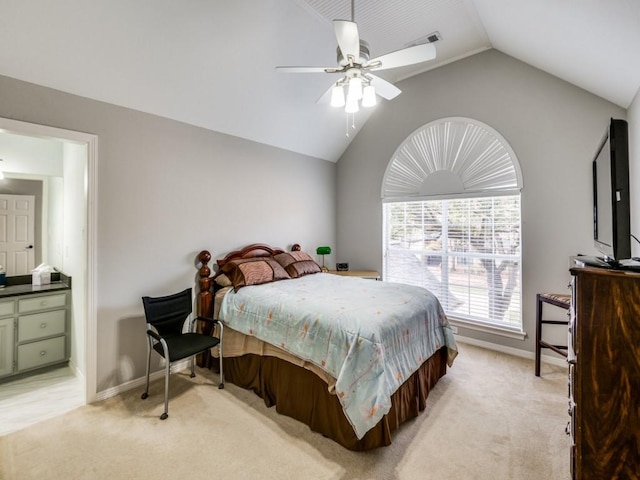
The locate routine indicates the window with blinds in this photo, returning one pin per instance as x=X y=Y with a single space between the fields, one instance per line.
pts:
x=466 y=251
x=451 y=203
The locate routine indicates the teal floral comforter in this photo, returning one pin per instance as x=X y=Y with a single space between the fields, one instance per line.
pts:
x=369 y=335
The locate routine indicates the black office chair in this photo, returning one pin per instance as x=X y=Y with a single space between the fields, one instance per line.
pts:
x=165 y=325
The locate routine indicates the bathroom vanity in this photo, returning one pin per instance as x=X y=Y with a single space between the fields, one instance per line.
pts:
x=35 y=324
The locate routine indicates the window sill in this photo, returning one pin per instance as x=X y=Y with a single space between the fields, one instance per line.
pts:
x=488 y=328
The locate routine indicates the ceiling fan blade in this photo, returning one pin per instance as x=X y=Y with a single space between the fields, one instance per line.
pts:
x=305 y=69
x=348 y=38
x=383 y=88
x=406 y=56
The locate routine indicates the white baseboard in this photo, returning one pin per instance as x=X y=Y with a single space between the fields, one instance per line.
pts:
x=558 y=361
x=139 y=382
x=76 y=371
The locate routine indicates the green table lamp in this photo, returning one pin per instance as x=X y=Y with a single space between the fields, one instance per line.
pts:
x=323 y=251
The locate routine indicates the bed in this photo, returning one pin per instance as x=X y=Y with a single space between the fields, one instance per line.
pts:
x=351 y=358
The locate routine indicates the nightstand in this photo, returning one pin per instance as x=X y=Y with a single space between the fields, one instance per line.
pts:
x=372 y=274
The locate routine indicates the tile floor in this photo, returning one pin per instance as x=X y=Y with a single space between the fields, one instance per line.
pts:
x=31 y=399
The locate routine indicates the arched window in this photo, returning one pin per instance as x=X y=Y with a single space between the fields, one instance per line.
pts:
x=451 y=195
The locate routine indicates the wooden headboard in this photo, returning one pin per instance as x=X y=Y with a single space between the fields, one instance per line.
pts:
x=206 y=282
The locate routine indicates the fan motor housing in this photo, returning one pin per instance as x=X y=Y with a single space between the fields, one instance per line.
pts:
x=361 y=60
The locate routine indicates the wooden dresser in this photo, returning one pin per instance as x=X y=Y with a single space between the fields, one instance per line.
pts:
x=604 y=374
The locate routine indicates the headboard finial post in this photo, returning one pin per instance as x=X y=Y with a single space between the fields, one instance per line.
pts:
x=204 y=306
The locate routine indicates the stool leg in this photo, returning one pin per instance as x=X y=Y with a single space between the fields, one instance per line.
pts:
x=538 y=333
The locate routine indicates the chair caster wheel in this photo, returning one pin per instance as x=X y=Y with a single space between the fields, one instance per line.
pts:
x=144 y=396
x=164 y=416
x=192 y=375
x=221 y=386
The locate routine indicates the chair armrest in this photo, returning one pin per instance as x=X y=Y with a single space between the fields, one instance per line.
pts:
x=205 y=329
x=212 y=321
x=153 y=334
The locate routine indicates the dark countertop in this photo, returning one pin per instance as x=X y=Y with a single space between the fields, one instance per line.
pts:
x=21 y=285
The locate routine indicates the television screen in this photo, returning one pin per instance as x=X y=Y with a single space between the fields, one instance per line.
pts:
x=611 y=209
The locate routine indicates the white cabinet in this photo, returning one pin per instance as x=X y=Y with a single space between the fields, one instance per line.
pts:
x=34 y=331
x=7 y=342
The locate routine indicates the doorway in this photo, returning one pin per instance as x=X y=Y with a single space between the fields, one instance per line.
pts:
x=76 y=251
x=17 y=233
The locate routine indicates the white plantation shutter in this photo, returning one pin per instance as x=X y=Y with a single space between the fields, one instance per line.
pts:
x=452 y=220
x=451 y=156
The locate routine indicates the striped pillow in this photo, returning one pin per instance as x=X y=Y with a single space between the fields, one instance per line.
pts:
x=297 y=264
x=253 y=271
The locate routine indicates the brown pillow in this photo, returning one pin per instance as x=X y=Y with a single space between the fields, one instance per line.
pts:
x=222 y=280
x=253 y=271
x=297 y=264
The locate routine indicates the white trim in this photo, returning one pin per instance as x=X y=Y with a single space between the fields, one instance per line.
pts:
x=488 y=328
x=139 y=382
x=91 y=141
x=91 y=333
x=478 y=194
x=516 y=352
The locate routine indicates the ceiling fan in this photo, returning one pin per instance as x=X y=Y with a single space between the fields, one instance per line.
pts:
x=355 y=66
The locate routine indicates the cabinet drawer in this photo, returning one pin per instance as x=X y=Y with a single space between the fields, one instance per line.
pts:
x=38 y=354
x=7 y=308
x=41 y=302
x=40 y=325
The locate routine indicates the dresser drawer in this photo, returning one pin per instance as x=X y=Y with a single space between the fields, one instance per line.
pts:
x=40 y=325
x=42 y=302
x=7 y=308
x=38 y=354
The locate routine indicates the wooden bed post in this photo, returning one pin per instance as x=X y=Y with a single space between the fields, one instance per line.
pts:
x=205 y=297
x=204 y=304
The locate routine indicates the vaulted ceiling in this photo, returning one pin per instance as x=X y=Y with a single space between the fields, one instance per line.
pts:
x=211 y=63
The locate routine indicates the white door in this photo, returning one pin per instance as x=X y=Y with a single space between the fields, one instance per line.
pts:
x=17 y=221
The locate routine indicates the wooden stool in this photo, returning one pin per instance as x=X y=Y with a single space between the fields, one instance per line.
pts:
x=558 y=300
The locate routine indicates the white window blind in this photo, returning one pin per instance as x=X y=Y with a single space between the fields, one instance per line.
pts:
x=466 y=251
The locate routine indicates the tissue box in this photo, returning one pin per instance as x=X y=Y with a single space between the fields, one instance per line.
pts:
x=41 y=278
x=41 y=275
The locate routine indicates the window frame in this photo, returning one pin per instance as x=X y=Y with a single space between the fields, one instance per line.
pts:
x=446 y=254
x=455 y=158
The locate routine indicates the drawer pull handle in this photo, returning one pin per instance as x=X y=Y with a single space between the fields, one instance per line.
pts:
x=43 y=353
x=43 y=325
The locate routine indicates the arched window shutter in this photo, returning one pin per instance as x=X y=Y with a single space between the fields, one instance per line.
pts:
x=452 y=156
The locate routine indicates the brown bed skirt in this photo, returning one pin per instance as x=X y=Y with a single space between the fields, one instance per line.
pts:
x=301 y=394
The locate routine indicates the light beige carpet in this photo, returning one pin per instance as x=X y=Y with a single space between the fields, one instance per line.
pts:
x=488 y=418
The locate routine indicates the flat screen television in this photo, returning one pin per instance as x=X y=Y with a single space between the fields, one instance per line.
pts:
x=611 y=201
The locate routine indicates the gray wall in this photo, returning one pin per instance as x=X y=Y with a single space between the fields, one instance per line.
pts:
x=554 y=129
x=167 y=190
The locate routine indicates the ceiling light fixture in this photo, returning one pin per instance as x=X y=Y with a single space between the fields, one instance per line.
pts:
x=359 y=92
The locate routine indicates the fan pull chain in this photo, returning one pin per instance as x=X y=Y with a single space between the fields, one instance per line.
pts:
x=353 y=124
